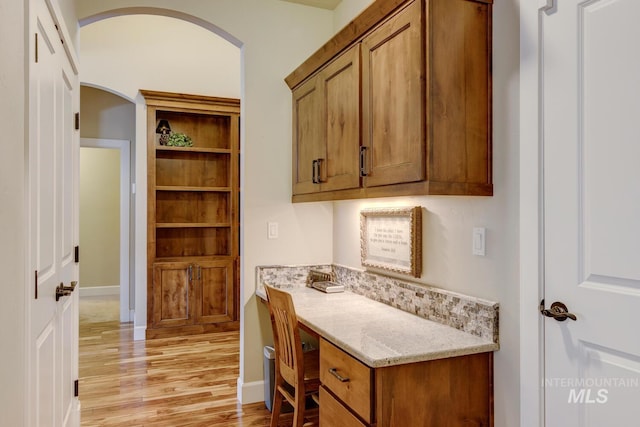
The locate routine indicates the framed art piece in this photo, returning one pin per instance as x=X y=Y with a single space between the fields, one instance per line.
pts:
x=391 y=239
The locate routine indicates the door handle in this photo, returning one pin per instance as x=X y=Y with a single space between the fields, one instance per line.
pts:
x=363 y=161
x=70 y=288
x=314 y=172
x=62 y=292
x=557 y=311
x=319 y=170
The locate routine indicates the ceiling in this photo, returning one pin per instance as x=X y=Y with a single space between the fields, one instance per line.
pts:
x=324 y=4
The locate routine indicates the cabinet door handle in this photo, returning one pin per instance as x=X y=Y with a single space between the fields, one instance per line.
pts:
x=318 y=173
x=334 y=372
x=314 y=171
x=190 y=273
x=199 y=272
x=363 y=161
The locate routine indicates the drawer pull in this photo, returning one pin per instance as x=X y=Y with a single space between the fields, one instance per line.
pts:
x=334 y=372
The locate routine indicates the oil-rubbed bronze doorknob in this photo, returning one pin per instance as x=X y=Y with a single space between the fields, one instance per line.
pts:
x=557 y=311
x=61 y=292
x=70 y=288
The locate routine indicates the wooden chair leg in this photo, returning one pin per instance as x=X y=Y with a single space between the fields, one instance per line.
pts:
x=298 y=413
x=277 y=407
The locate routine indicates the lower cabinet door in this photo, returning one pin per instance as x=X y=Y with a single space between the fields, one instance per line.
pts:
x=334 y=414
x=215 y=290
x=173 y=296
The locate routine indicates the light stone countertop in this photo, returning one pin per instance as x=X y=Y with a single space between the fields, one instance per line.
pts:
x=379 y=335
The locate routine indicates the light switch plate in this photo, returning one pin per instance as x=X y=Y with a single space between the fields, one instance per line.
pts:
x=272 y=230
x=478 y=241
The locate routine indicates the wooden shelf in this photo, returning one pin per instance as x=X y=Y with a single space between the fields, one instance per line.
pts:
x=192 y=224
x=194 y=149
x=191 y=259
x=189 y=188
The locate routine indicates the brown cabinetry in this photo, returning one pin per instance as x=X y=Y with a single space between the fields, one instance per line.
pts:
x=192 y=217
x=215 y=292
x=454 y=391
x=419 y=115
x=173 y=296
x=187 y=294
x=326 y=127
x=393 y=101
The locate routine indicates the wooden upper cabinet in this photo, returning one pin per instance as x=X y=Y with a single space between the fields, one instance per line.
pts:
x=393 y=100
x=326 y=127
x=459 y=121
x=421 y=107
x=340 y=82
x=307 y=136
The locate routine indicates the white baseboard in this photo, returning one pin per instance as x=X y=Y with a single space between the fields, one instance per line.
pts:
x=139 y=333
x=98 y=291
x=252 y=392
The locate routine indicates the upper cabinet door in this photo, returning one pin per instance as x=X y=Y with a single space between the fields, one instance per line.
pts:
x=393 y=100
x=308 y=136
x=340 y=82
x=326 y=127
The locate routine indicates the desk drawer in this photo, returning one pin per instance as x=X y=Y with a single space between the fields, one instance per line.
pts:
x=333 y=414
x=347 y=378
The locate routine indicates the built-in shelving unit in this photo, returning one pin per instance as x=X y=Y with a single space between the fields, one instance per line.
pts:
x=193 y=228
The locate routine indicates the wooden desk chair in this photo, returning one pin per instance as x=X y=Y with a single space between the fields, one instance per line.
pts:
x=295 y=370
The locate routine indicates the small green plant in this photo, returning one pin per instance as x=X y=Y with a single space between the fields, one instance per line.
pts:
x=179 y=140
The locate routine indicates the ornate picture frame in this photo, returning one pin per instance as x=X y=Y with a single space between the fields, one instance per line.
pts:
x=391 y=239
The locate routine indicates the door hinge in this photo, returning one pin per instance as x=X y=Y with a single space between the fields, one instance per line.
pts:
x=76 y=388
x=36 y=48
x=36 y=283
x=77 y=120
x=76 y=254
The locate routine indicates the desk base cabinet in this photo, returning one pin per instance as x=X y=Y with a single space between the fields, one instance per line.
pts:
x=451 y=392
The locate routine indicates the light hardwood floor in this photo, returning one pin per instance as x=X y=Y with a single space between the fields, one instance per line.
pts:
x=185 y=381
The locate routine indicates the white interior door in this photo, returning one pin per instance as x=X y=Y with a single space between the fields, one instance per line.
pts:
x=591 y=130
x=53 y=226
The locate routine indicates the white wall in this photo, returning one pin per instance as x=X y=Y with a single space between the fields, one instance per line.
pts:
x=275 y=37
x=13 y=284
x=100 y=217
x=104 y=115
x=158 y=53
